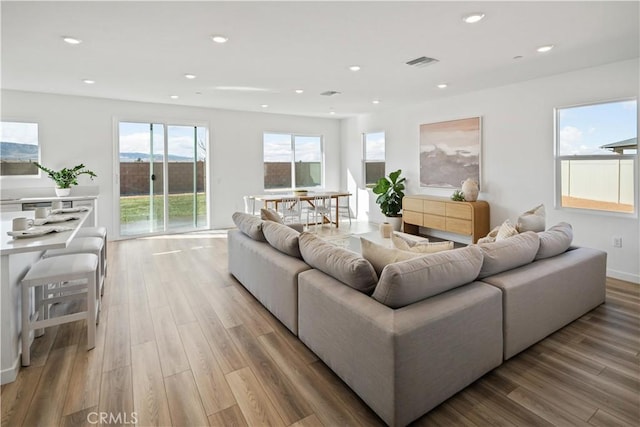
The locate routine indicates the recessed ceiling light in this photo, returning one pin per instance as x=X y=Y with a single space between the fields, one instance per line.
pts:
x=332 y=112
x=71 y=40
x=190 y=76
x=299 y=90
x=89 y=81
x=442 y=85
x=174 y=96
x=543 y=49
x=265 y=105
x=354 y=68
x=219 y=39
x=375 y=101
x=472 y=18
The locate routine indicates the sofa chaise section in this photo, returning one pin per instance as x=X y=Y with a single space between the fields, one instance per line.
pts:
x=401 y=362
x=543 y=296
x=270 y=275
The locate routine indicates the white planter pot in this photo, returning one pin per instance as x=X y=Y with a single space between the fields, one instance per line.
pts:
x=63 y=192
x=395 y=221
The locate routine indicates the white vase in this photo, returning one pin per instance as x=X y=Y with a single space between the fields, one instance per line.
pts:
x=63 y=192
x=385 y=230
x=395 y=221
x=470 y=189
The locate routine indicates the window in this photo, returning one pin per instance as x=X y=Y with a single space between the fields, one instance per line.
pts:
x=596 y=156
x=373 y=157
x=18 y=148
x=292 y=161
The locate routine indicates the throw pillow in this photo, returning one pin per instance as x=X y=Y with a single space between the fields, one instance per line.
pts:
x=404 y=241
x=555 y=240
x=344 y=265
x=270 y=215
x=532 y=220
x=422 y=247
x=406 y=282
x=379 y=256
x=491 y=237
x=508 y=253
x=506 y=230
x=282 y=238
x=249 y=225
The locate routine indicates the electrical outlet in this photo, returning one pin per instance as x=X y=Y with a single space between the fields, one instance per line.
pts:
x=617 y=242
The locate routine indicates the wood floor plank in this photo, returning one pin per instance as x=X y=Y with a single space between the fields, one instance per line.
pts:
x=48 y=400
x=212 y=385
x=221 y=304
x=226 y=353
x=311 y=421
x=230 y=417
x=117 y=346
x=149 y=395
x=41 y=346
x=184 y=400
x=604 y=419
x=180 y=307
x=543 y=408
x=16 y=396
x=87 y=417
x=116 y=395
x=141 y=324
x=250 y=316
x=172 y=356
x=253 y=401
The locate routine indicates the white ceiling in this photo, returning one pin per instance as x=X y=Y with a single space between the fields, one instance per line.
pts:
x=141 y=50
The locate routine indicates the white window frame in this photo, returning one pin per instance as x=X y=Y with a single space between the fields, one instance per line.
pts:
x=292 y=137
x=364 y=157
x=560 y=158
x=39 y=173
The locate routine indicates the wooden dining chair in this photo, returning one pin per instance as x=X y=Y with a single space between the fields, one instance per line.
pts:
x=290 y=209
x=321 y=209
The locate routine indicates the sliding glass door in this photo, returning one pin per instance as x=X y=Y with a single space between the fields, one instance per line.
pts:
x=162 y=177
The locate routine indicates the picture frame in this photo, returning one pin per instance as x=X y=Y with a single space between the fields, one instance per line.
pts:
x=450 y=152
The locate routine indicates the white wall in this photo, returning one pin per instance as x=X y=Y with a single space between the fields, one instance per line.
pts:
x=76 y=130
x=517 y=164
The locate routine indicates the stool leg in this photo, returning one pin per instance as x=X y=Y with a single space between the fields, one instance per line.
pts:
x=39 y=307
x=91 y=312
x=26 y=348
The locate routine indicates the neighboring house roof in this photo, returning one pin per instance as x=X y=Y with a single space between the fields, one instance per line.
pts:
x=619 y=146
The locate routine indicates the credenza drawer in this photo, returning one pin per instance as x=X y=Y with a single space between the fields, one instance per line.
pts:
x=460 y=211
x=411 y=217
x=434 y=207
x=409 y=204
x=434 y=221
x=460 y=226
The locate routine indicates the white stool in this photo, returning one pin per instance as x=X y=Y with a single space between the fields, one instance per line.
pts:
x=84 y=245
x=78 y=267
x=100 y=232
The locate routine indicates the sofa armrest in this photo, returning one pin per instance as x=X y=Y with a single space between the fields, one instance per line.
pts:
x=406 y=361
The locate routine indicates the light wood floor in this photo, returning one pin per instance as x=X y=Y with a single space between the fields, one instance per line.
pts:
x=181 y=343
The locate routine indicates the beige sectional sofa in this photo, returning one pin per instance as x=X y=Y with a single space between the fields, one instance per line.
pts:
x=427 y=327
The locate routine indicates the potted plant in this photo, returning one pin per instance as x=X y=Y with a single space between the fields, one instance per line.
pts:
x=65 y=178
x=390 y=191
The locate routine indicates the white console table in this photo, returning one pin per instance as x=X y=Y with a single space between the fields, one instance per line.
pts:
x=17 y=256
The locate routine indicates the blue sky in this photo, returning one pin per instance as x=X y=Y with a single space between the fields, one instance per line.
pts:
x=374 y=146
x=277 y=148
x=135 y=137
x=584 y=129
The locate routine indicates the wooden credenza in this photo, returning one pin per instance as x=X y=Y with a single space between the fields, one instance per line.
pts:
x=440 y=213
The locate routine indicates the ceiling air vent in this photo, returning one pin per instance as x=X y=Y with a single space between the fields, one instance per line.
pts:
x=423 y=61
x=330 y=93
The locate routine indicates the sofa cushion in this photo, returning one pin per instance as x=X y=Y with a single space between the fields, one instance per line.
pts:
x=379 y=256
x=505 y=231
x=508 y=253
x=555 y=240
x=249 y=225
x=532 y=220
x=406 y=282
x=270 y=215
x=421 y=247
x=346 y=266
x=282 y=238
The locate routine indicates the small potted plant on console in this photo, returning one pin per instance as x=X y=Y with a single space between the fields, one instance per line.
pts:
x=65 y=178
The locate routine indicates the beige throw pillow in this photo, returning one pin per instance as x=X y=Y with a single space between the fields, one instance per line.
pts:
x=506 y=230
x=532 y=220
x=555 y=240
x=270 y=215
x=249 y=225
x=379 y=256
x=282 y=238
x=344 y=265
x=404 y=241
x=406 y=282
x=491 y=237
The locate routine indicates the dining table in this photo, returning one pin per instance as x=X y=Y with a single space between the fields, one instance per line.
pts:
x=275 y=199
x=17 y=255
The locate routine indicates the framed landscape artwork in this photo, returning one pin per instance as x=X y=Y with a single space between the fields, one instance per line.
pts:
x=450 y=152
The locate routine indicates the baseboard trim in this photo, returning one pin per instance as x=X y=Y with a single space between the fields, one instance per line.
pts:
x=9 y=375
x=621 y=275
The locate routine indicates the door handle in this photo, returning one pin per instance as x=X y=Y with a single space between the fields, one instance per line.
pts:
x=153 y=177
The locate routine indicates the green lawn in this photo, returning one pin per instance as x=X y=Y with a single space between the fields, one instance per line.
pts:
x=136 y=208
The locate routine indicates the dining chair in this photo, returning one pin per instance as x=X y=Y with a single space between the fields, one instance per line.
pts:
x=321 y=209
x=290 y=209
x=344 y=209
x=249 y=205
